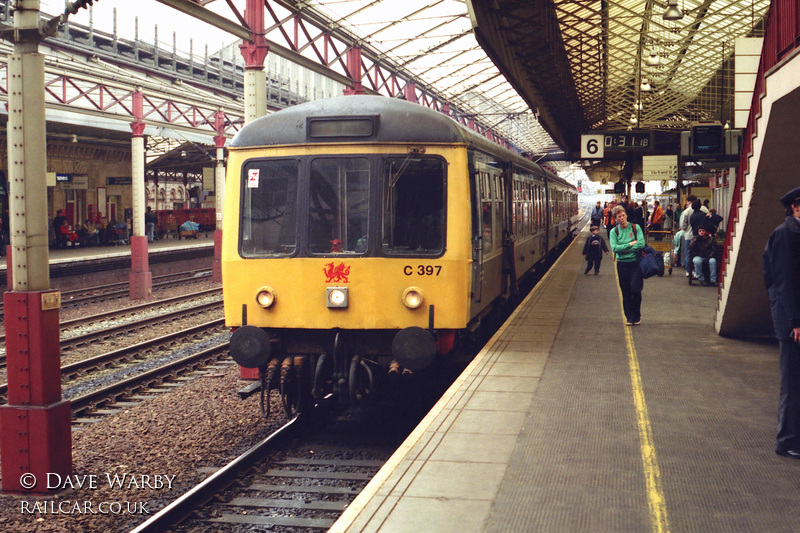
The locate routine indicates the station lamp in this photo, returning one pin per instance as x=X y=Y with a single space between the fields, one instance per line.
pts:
x=653 y=60
x=673 y=12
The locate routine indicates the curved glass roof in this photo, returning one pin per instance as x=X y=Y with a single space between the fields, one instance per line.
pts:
x=573 y=65
x=433 y=40
x=630 y=67
x=623 y=53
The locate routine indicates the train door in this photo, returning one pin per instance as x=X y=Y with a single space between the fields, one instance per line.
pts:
x=477 y=246
x=548 y=214
x=509 y=235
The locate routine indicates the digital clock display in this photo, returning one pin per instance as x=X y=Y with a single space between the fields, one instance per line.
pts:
x=628 y=140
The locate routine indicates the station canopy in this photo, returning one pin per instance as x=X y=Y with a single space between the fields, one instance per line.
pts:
x=541 y=74
x=545 y=72
x=433 y=40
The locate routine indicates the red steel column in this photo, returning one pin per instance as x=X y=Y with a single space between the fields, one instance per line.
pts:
x=354 y=67
x=219 y=185
x=35 y=430
x=140 y=285
x=255 y=90
x=254 y=53
x=410 y=92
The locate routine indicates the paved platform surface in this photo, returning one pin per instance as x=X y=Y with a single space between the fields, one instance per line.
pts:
x=570 y=421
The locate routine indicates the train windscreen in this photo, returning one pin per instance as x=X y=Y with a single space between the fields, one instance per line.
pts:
x=338 y=217
x=413 y=206
x=268 y=211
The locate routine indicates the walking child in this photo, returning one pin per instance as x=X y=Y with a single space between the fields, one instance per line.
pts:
x=593 y=250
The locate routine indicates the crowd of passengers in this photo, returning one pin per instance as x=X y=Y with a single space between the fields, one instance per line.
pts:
x=695 y=225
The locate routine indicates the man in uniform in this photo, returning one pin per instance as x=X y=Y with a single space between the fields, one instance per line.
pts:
x=782 y=279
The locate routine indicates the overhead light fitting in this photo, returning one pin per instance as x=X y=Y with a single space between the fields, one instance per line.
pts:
x=673 y=12
x=645 y=86
x=653 y=60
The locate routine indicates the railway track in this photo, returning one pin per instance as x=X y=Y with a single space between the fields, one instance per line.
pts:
x=121 y=289
x=194 y=498
x=142 y=384
x=299 y=478
x=139 y=351
x=75 y=341
x=115 y=291
x=297 y=492
x=119 y=314
x=108 y=331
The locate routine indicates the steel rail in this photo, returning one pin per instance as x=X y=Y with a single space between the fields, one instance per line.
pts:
x=129 y=352
x=121 y=288
x=147 y=379
x=115 y=289
x=200 y=494
x=94 y=336
x=133 y=309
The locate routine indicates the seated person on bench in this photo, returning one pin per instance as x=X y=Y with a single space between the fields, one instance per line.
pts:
x=702 y=248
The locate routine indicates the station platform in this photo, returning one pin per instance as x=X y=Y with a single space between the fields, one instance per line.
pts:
x=68 y=261
x=570 y=421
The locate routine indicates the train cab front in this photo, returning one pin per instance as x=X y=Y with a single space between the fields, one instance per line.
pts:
x=367 y=277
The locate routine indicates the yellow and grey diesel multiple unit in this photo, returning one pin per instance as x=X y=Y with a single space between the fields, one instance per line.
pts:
x=364 y=233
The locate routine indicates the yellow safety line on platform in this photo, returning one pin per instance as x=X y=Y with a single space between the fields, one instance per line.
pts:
x=652 y=473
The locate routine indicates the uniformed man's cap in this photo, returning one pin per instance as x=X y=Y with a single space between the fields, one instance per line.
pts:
x=791 y=198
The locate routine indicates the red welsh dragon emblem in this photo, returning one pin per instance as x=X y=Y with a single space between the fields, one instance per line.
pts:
x=337 y=273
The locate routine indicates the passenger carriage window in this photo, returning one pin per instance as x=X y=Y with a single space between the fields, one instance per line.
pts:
x=519 y=229
x=413 y=206
x=498 y=211
x=526 y=211
x=338 y=212
x=540 y=207
x=486 y=213
x=269 y=200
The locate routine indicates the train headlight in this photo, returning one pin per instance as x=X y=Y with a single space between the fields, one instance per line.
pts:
x=265 y=297
x=412 y=297
x=337 y=297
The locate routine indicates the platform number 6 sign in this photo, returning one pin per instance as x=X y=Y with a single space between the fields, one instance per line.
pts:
x=592 y=146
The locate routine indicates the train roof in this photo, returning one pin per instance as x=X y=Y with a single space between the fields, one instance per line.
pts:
x=399 y=121
x=366 y=118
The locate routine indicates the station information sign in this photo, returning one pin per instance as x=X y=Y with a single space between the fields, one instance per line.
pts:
x=629 y=140
x=593 y=146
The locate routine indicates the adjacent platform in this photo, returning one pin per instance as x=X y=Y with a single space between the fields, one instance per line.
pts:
x=76 y=260
x=570 y=421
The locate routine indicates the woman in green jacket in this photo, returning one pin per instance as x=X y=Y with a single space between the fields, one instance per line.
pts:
x=626 y=241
